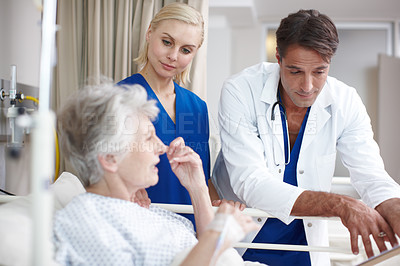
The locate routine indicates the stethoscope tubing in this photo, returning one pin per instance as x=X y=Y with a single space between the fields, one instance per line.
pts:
x=278 y=102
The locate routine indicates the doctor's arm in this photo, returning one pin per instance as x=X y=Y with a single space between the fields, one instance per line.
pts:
x=354 y=214
x=361 y=155
x=390 y=210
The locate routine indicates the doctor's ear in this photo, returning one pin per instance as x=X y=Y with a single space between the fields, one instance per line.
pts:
x=108 y=162
x=278 y=57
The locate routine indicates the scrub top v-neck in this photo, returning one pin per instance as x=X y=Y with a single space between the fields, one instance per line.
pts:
x=277 y=232
x=191 y=124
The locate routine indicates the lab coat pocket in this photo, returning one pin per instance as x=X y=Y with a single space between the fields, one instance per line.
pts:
x=325 y=170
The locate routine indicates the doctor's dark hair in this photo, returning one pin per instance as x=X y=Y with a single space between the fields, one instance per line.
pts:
x=309 y=29
x=95 y=122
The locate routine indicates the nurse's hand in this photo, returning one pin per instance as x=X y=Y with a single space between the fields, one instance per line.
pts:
x=364 y=221
x=238 y=205
x=142 y=198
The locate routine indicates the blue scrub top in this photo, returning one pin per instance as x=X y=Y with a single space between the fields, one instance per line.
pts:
x=192 y=125
x=275 y=231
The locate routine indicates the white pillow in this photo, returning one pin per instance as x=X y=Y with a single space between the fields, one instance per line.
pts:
x=65 y=188
x=16 y=221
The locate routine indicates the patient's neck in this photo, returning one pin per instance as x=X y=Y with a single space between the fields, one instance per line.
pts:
x=111 y=187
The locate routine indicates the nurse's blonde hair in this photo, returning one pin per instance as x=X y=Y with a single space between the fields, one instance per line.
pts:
x=177 y=11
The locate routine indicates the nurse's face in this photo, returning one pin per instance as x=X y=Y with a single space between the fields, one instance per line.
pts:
x=303 y=74
x=172 y=46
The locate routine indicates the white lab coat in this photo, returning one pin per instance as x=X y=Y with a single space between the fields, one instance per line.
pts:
x=338 y=122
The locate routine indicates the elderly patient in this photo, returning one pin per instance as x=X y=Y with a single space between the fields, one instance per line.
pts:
x=107 y=136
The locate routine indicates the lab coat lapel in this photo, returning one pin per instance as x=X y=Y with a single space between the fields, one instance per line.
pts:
x=269 y=92
x=318 y=117
x=268 y=98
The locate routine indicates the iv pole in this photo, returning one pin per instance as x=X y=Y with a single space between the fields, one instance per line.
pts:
x=42 y=157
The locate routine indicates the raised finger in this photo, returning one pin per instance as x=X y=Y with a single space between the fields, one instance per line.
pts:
x=176 y=144
x=184 y=151
x=185 y=156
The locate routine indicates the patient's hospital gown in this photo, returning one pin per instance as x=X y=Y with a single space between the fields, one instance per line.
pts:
x=97 y=230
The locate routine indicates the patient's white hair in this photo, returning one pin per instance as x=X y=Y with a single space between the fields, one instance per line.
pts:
x=93 y=123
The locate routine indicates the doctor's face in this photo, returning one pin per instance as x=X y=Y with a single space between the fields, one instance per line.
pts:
x=303 y=74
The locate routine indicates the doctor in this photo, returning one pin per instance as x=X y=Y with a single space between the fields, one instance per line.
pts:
x=281 y=127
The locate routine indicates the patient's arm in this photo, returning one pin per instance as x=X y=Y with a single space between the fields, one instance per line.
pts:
x=187 y=166
x=228 y=227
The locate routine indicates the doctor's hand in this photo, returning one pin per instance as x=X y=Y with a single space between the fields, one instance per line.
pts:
x=364 y=221
x=390 y=210
x=186 y=164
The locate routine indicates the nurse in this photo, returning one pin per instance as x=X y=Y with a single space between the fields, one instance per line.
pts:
x=172 y=40
x=281 y=127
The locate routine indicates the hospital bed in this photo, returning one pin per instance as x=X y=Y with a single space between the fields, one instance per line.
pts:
x=16 y=215
x=16 y=224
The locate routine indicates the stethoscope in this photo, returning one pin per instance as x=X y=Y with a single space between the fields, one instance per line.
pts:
x=279 y=103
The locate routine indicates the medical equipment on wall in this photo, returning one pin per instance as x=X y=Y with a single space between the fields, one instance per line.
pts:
x=19 y=122
x=17 y=131
x=279 y=103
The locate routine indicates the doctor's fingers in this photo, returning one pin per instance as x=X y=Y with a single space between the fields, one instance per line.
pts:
x=381 y=232
x=367 y=227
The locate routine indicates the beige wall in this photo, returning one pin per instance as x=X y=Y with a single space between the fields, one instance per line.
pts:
x=20 y=40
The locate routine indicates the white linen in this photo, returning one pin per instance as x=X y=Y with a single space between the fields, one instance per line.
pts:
x=338 y=121
x=16 y=221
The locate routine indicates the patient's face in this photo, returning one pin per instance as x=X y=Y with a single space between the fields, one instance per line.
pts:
x=138 y=167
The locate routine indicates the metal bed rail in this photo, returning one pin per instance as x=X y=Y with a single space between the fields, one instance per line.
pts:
x=188 y=209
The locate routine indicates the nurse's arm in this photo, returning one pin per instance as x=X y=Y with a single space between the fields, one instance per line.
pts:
x=355 y=215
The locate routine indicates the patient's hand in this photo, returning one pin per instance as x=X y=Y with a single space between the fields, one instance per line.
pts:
x=232 y=224
x=142 y=198
x=186 y=164
x=236 y=204
x=245 y=221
